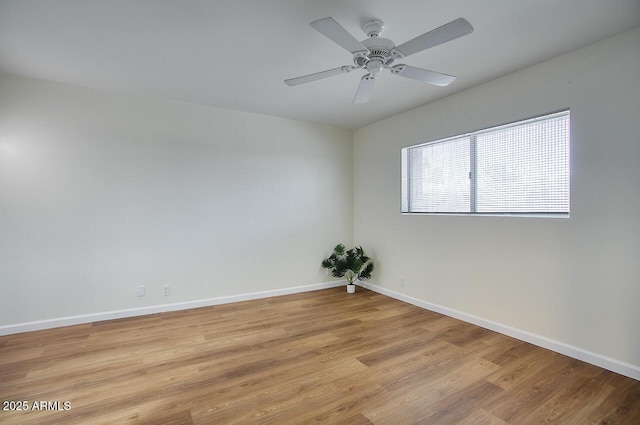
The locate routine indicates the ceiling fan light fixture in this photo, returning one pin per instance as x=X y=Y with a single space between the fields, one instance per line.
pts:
x=374 y=66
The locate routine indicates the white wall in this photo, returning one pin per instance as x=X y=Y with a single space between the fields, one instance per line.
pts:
x=100 y=192
x=575 y=281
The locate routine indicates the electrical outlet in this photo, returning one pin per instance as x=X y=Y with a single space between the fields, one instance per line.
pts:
x=165 y=290
x=140 y=291
x=403 y=282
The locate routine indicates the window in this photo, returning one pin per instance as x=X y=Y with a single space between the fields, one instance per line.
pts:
x=520 y=168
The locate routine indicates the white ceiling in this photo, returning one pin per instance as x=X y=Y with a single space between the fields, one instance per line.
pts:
x=236 y=53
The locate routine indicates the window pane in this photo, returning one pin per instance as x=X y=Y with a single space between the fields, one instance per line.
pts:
x=524 y=168
x=438 y=176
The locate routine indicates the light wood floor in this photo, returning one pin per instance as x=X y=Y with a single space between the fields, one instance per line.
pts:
x=315 y=357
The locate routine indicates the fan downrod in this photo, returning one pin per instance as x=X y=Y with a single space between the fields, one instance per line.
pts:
x=373 y=28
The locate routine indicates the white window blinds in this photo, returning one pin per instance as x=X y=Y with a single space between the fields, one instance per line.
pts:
x=518 y=168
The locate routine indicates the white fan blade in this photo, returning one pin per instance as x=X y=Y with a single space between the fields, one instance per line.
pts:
x=454 y=29
x=318 y=76
x=334 y=31
x=365 y=89
x=420 y=74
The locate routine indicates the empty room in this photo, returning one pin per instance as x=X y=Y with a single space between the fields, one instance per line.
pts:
x=337 y=212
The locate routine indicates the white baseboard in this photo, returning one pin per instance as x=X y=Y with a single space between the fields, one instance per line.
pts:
x=143 y=311
x=623 y=368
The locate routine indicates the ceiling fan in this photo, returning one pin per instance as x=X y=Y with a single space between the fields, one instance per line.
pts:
x=376 y=53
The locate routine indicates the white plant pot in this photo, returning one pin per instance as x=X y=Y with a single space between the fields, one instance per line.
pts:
x=351 y=289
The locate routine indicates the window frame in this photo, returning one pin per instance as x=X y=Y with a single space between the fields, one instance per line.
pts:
x=472 y=135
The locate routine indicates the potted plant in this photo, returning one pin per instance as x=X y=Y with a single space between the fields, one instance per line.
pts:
x=352 y=264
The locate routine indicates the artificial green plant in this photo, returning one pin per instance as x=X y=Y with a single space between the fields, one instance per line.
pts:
x=351 y=264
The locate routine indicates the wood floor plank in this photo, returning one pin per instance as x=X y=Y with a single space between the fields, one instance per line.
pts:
x=525 y=362
x=320 y=357
x=573 y=403
x=481 y=417
x=459 y=405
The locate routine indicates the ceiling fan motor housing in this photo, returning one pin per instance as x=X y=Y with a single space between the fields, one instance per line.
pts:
x=379 y=49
